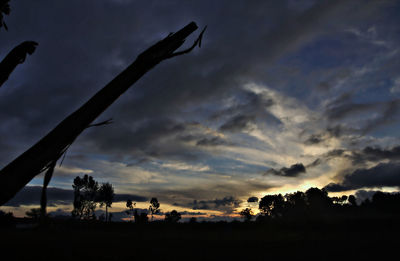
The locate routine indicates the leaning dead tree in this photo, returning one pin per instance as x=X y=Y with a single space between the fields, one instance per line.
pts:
x=44 y=154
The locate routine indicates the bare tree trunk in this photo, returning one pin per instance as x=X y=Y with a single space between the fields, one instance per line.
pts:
x=50 y=148
x=15 y=57
x=43 y=199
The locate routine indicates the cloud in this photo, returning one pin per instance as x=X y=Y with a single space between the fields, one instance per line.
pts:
x=293 y=171
x=237 y=123
x=226 y=204
x=185 y=167
x=211 y=142
x=252 y=199
x=375 y=154
x=212 y=196
x=30 y=195
x=382 y=175
x=396 y=86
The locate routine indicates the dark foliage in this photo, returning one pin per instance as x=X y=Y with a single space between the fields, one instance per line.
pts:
x=6 y=219
x=172 y=217
x=154 y=207
x=85 y=197
x=247 y=214
x=316 y=204
x=105 y=197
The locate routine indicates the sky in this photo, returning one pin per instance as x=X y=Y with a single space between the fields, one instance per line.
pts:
x=282 y=96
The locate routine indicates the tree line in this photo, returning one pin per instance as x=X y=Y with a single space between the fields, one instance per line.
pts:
x=316 y=204
x=88 y=194
x=298 y=206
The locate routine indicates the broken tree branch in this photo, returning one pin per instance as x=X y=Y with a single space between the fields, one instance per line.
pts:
x=50 y=148
x=4 y=10
x=15 y=57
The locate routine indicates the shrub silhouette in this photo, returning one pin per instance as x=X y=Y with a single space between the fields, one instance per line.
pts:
x=85 y=195
x=106 y=196
x=154 y=207
x=172 y=217
x=247 y=214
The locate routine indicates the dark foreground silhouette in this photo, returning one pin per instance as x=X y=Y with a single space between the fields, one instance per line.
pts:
x=352 y=238
x=330 y=229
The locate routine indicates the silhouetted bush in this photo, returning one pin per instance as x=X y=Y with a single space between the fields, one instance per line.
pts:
x=316 y=204
x=172 y=217
x=6 y=219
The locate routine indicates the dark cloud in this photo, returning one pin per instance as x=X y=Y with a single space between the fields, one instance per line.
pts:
x=360 y=157
x=333 y=78
x=238 y=123
x=237 y=189
x=389 y=115
x=74 y=60
x=378 y=153
x=214 y=141
x=362 y=195
x=314 y=139
x=382 y=175
x=315 y=163
x=375 y=154
x=293 y=171
x=192 y=213
x=252 y=200
x=334 y=131
x=226 y=204
x=342 y=108
x=153 y=138
x=247 y=108
x=30 y=195
x=125 y=197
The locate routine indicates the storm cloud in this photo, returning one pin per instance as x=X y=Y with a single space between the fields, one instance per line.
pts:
x=293 y=171
x=382 y=175
x=30 y=195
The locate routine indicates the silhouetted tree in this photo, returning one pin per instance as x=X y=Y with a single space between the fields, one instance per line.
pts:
x=173 y=216
x=7 y=220
x=247 y=214
x=154 y=207
x=339 y=200
x=272 y=205
x=141 y=218
x=34 y=213
x=85 y=195
x=318 y=200
x=106 y=196
x=352 y=200
x=130 y=205
x=193 y=220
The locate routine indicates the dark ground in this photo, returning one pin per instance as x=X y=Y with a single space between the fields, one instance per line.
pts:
x=64 y=240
